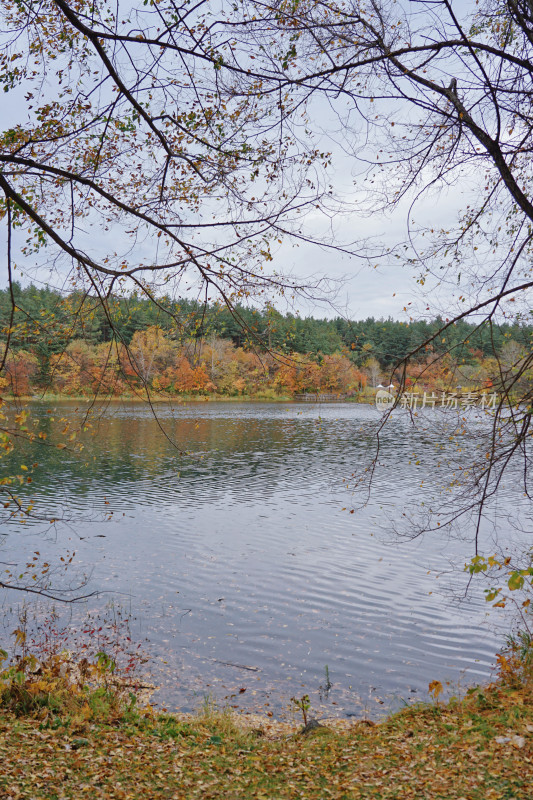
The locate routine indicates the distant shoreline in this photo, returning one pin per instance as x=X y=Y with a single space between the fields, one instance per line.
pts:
x=182 y=398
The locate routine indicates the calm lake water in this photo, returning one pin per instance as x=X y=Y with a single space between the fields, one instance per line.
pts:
x=231 y=544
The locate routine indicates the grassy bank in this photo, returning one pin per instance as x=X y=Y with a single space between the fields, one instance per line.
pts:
x=51 y=397
x=476 y=748
x=366 y=397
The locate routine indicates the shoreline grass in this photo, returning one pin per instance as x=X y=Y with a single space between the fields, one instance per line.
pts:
x=479 y=747
x=178 y=399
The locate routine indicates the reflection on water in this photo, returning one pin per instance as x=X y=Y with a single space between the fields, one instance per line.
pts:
x=236 y=551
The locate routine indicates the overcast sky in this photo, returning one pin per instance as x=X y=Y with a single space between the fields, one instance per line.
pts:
x=381 y=288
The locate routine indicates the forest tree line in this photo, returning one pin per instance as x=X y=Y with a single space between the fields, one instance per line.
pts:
x=67 y=344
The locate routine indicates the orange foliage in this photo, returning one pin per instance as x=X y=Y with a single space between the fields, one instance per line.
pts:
x=19 y=369
x=334 y=373
x=190 y=379
x=72 y=370
x=155 y=361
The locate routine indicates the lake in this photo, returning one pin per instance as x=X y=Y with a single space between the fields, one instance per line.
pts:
x=223 y=531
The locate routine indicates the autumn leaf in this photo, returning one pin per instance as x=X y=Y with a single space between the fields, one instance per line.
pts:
x=435 y=688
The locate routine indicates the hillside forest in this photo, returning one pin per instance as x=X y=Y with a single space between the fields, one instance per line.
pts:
x=75 y=345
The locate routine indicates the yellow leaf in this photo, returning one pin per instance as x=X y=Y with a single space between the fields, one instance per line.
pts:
x=20 y=636
x=435 y=688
